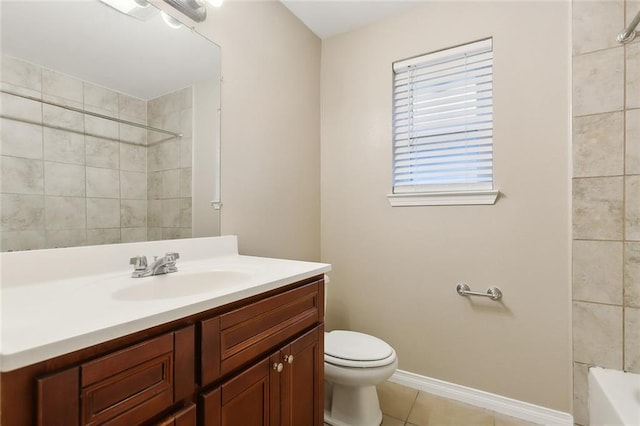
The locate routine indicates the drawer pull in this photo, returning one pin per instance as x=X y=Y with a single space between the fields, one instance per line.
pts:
x=288 y=358
x=278 y=366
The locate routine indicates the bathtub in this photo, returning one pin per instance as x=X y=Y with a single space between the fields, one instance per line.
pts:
x=614 y=397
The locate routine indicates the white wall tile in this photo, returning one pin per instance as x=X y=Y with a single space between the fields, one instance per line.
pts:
x=103 y=183
x=632 y=275
x=186 y=155
x=133 y=185
x=22 y=240
x=130 y=106
x=62 y=118
x=20 y=108
x=133 y=158
x=632 y=340
x=598 y=145
x=64 y=179
x=103 y=213
x=171 y=183
x=595 y=23
x=21 y=73
x=580 y=397
x=103 y=153
x=132 y=235
x=61 y=85
x=101 y=127
x=133 y=134
x=65 y=213
x=597 y=271
x=632 y=207
x=598 y=82
x=103 y=236
x=598 y=208
x=597 y=334
x=63 y=147
x=632 y=160
x=171 y=213
x=185 y=182
x=21 y=175
x=101 y=97
x=133 y=213
x=19 y=139
x=66 y=238
x=21 y=212
x=633 y=75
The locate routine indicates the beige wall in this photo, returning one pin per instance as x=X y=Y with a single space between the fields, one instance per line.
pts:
x=396 y=269
x=606 y=194
x=270 y=128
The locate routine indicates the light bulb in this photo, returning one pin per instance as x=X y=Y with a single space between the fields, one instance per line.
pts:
x=215 y=3
x=170 y=20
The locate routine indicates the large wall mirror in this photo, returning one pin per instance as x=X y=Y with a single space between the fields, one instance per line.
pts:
x=110 y=126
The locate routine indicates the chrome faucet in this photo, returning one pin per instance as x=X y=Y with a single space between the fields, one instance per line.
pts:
x=164 y=265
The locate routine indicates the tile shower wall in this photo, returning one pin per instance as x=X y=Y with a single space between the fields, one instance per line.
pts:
x=169 y=167
x=606 y=194
x=72 y=179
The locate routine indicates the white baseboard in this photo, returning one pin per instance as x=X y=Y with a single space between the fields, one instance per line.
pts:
x=507 y=406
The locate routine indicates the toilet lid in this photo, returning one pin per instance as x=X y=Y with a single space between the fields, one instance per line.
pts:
x=354 y=346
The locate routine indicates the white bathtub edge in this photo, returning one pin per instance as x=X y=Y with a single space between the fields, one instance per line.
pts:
x=498 y=403
x=612 y=397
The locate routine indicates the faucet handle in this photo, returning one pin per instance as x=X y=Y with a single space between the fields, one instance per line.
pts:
x=173 y=255
x=140 y=262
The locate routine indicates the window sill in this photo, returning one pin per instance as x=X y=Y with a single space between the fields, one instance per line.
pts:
x=443 y=198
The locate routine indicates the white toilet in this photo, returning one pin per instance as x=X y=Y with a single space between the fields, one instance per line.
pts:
x=354 y=363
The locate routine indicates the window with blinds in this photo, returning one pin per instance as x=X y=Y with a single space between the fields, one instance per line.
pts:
x=443 y=122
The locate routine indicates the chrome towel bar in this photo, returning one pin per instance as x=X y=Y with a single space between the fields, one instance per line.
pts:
x=492 y=293
x=629 y=34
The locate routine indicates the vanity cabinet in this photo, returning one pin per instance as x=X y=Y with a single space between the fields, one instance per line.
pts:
x=284 y=389
x=255 y=361
x=126 y=387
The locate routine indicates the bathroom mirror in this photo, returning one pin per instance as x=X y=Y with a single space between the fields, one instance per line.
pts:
x=110 y=126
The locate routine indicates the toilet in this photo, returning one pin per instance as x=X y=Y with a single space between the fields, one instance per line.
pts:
x=354 y=363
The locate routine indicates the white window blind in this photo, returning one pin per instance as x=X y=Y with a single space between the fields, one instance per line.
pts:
x=443 y=121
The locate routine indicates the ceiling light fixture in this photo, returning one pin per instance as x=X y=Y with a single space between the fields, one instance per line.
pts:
x=194 y=9
x=215 y=3
x=139 y=9
x=170 y=20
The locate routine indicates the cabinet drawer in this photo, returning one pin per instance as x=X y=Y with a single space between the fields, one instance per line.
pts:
x=237 y=337
x=128 y=386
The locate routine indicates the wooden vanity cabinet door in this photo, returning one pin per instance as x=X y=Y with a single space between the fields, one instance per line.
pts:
x=302 y=380
x=184 y=417
x=58 y=403
x=245 y=400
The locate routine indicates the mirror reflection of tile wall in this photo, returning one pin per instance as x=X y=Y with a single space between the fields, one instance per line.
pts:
x=70 y=179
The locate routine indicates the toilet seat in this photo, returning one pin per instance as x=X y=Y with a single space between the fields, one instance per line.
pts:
x=352 y=349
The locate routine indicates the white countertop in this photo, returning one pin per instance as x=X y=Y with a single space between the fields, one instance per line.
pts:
x=42 y=319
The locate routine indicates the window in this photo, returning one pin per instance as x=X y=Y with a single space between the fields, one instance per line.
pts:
x=443 y=127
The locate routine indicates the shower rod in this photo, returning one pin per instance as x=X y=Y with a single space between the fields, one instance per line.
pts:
x=94 y=114
x=630 y=33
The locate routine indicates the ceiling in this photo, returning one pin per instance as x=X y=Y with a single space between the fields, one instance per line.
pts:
x=327 y=18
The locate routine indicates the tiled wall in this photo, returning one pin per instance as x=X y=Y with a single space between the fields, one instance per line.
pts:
x=88 y=183
x=606 y=194
x=169 y=179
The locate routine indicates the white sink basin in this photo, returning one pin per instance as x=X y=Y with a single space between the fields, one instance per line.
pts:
x=179 y=284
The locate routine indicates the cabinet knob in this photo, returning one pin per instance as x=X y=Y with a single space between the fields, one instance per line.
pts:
x=288 y=358
x=278 y=366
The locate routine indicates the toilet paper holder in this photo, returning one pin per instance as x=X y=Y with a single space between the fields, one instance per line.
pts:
x=492 y=293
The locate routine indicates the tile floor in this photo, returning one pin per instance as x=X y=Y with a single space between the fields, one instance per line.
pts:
x=403 y=406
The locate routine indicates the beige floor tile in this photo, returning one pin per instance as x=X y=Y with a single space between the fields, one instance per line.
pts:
x=396 y=400
x=433 y=410
x=502 y=420
x=390 y=421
